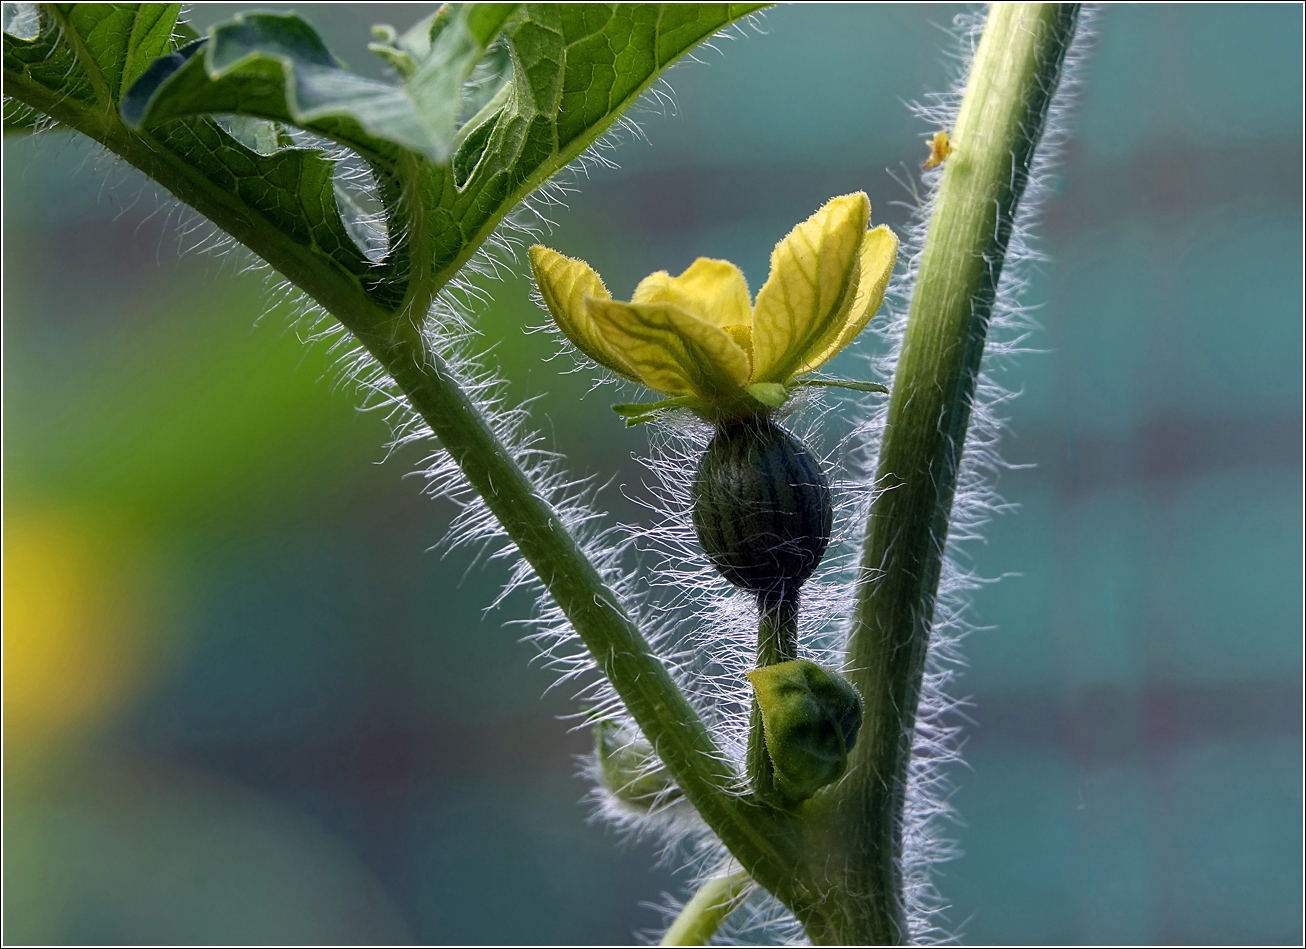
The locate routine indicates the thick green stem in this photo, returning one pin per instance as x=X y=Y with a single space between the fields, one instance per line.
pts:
x=704 y=914
x=1015 y=73
x=777 y=641
x=666 y=718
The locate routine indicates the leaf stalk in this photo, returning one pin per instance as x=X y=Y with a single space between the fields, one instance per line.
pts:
x=707 y=909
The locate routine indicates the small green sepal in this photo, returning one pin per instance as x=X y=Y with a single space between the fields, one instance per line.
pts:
x=637 y=413
x=810 y=718
x=843 y=384
x=771 y=394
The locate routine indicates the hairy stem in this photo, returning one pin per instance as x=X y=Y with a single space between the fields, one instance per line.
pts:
x=666 y=718
x=777 y=641
x=761 y=838
x=1012 y=80
x=707 y=910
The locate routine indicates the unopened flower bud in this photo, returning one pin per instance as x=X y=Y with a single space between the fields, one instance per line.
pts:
x=810 y=717
x=630 y=770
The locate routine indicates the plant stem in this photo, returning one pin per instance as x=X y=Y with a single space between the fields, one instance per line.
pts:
x=777 y=641
x=703 y=915
x=761 y=838
x=1014 y=75
x=653 y=699
x=777 y=629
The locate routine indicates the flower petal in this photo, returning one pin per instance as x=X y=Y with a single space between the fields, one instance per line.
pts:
x=671 y=349
x=564 y=284
x=712 y=290
x=812 y=286
x=879 y=253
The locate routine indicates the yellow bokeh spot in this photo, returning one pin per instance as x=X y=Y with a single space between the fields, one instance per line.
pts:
x=74 y=643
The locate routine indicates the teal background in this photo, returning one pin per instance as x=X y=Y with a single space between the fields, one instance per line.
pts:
x=273 y=716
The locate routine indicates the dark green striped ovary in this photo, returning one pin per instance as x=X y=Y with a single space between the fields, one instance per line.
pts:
x=761 y=508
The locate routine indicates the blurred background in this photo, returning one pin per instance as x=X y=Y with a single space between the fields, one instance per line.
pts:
x=243 y=702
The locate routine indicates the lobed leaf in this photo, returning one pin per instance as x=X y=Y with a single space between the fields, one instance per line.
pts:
x=130 y=76
x=575 y=67
x=81 y=53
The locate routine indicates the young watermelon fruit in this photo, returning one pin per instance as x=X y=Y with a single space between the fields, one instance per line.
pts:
x=761 y=508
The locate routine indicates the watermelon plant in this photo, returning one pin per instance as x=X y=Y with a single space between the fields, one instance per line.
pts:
x=799 y=788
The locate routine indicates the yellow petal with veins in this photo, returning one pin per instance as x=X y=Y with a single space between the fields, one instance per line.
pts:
x=879 y=253
x=565 y=284
x=811 y=289
x=712 y=290
x=671 y=349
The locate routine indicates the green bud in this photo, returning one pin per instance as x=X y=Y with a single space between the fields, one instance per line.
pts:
x=630 y=770
x=810 y=717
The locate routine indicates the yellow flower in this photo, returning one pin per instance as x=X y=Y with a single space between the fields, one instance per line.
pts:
x=698 y=339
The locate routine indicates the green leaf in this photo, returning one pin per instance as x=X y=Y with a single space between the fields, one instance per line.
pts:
x=112 y=44
x=123 y=38
x=287 y=197
x=275 y=66
x=574 y=68
x=437 y=85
